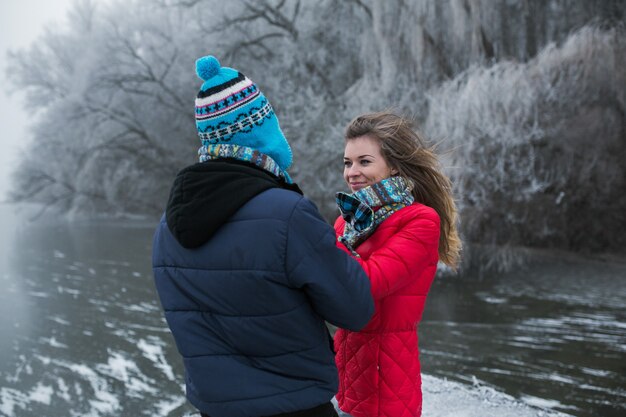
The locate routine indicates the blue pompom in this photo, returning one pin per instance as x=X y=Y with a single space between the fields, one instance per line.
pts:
x=207 y=67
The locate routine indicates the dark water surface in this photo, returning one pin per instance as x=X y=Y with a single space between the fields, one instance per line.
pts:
x=552 y=334
x=82 y=332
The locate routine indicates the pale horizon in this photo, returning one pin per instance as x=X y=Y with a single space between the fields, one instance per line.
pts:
x=21 y=22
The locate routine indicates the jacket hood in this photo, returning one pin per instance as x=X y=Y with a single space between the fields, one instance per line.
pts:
x=205 y=195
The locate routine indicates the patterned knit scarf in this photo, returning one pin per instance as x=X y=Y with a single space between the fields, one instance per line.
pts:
x=364 y=210
x=242 y=153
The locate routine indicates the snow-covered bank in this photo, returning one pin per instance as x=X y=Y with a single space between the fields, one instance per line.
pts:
x=443 y=398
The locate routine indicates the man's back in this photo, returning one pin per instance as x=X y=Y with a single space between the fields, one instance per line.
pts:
x=247 y=307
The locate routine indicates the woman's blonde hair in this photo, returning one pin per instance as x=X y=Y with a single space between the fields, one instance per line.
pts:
x=405 y=150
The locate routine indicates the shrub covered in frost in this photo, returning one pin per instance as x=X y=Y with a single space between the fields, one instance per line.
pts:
x=537 y=149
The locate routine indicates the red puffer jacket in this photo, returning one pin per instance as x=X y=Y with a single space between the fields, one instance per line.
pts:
x=379 y=369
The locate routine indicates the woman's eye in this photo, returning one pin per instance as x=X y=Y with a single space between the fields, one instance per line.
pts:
x=347 y=164
x=365 y=162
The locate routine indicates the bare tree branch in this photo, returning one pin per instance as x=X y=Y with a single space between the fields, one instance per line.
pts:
x=367 y=10
x=274 y=16
x=249 y=44
x=263 y=11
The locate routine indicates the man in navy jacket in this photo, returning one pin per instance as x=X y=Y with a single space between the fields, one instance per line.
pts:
x=247 y=270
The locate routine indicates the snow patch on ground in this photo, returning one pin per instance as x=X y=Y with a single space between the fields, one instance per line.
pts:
x=443 y=398
x=165 y=407
x=125 y=370
x=41 y=394
x=11 y=398
x=53 y=342
x=153 y=350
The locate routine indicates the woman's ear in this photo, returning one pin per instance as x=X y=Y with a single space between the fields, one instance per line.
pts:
x=394 y=171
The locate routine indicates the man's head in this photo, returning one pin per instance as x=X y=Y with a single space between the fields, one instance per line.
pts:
x=230 y=109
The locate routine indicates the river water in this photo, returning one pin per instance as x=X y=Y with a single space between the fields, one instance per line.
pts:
x=82 y=332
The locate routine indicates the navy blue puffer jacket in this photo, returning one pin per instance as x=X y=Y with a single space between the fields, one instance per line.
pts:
x=247 y=305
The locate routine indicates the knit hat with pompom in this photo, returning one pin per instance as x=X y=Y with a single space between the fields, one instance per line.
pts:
x=231 y=110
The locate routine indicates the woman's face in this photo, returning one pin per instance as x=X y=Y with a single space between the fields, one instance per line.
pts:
x=364 y=164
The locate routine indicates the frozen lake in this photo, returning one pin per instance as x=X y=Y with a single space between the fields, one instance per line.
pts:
x=553 y=334
x=82 y=332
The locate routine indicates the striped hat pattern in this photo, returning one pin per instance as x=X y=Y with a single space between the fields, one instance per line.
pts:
x=230 y=109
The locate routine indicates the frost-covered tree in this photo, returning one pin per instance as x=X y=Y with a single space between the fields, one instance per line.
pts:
x=538 y=148
x=112 y=104
x=125 y=112
x=513 y=90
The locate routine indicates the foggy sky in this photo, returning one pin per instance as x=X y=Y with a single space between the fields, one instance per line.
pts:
x=21 y=22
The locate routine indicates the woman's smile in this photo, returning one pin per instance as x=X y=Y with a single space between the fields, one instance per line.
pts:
x=355 y=186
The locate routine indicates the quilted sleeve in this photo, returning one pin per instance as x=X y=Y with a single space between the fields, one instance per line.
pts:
x=337 y=287
x=412 y=248
x=339 y=223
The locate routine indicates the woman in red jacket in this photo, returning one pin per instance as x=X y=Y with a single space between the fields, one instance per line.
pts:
x=399 y=221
